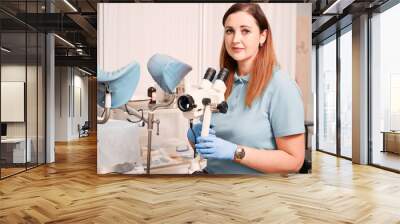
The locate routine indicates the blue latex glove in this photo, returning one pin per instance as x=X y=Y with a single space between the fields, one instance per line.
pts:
x=215 y=148
x=197 y=132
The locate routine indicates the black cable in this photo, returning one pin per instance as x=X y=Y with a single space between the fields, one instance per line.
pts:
x=195 y=142
x=141 y=119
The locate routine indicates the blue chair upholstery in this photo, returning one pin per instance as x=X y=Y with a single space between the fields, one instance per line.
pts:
x=122 y=84
x=167 y=71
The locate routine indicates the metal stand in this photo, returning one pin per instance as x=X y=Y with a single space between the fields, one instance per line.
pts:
x=150 y=121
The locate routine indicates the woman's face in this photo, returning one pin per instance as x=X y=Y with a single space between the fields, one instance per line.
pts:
x=242 y=36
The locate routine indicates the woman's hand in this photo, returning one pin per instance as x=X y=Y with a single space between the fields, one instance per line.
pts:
x=215 y=148
x=197 y=132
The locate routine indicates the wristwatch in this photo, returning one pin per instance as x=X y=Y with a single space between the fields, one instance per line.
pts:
x=239 y=153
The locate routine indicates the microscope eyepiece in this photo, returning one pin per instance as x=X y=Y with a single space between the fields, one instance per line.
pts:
x=223 y=74
x=186 y=103
x=209 y=75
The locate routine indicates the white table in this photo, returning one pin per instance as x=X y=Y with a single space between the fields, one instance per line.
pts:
x=18 y=144
x=118 y=147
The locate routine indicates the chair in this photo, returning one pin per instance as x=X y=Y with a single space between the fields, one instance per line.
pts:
x=84 y=130
x=116 y=88
x=167 y=71
x=307 y=165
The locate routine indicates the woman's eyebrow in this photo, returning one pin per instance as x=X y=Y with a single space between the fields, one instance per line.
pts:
x=242 y=26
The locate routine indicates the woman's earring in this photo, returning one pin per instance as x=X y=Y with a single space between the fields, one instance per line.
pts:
x=261 y=45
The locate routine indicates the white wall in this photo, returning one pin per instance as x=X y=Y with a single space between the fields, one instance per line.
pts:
x=192 y=33
x=61 y=103
x=12 y=73
x=70 y=83
x=80 y=103
x=128 y=32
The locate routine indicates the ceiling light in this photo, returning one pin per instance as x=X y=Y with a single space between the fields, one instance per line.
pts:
x=337 y=7
x=65 y=41
x=84 y=71
x=70 y=5
x=5 y=50
x=80 y=51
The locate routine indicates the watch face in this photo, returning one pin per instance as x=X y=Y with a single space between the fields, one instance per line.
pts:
x=240 y=153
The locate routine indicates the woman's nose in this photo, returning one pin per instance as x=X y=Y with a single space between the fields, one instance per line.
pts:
x=236 y=38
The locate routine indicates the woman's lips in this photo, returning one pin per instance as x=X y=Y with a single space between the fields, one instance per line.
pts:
x=237 y=49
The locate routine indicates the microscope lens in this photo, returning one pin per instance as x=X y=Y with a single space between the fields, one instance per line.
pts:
x=185 y=103
x=223 y=74
x=210 y=73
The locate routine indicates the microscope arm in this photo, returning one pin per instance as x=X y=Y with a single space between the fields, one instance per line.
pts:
x=206 y=121
x=107 y=108
x=153 y=107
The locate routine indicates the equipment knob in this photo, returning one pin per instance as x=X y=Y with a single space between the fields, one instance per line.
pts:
x=222 y=107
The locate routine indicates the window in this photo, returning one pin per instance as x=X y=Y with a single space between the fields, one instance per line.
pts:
x=23 y=76
x=385 y=89
x=346 y=94
x=327 y=97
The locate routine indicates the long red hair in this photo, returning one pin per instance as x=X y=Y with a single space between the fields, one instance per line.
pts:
x=264 y=62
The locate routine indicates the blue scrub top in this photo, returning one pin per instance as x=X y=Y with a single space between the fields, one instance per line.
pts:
x=277 y=112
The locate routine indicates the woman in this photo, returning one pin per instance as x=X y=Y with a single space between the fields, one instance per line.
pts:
x=263 y=130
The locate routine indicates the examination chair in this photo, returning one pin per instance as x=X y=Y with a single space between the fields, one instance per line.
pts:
x=116 y=88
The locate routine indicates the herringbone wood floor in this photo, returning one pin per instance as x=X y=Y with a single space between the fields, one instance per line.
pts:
x=70 y=191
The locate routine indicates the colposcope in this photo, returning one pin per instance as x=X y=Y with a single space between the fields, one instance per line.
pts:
x=200 y=102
